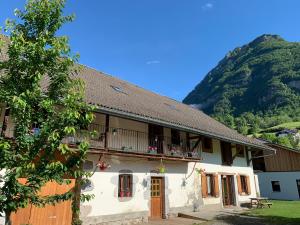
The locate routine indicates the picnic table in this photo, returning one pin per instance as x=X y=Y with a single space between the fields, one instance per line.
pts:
x=260 y=202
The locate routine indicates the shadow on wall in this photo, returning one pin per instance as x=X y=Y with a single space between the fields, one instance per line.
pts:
x=138 y=165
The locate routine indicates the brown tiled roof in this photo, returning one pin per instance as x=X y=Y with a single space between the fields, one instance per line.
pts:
x=121 y=98
x=116 y=96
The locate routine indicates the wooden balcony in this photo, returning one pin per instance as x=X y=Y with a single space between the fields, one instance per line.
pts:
x=119 y=141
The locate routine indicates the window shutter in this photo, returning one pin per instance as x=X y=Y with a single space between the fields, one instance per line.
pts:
x=248 y=185
x=204 y=185
x=239 y=184
x=216 y=185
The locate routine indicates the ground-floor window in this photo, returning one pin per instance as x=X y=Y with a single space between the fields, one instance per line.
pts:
x=125 y=185
x=244 y=184
x=275 y=186
x=210 y=184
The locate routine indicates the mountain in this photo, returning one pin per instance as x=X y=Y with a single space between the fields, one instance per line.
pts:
x=256 y=85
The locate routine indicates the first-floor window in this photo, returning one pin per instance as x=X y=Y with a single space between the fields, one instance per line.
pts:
x=275 y=186
x=210 y=184
x=125 y=185
x=244 y=184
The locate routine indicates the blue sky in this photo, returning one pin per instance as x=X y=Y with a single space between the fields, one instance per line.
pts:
x=168 y=46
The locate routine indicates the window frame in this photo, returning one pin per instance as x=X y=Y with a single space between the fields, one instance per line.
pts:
x=210 y=184
x=207 y=148
x=244 y=186
x=274 y=185
x=125 y=179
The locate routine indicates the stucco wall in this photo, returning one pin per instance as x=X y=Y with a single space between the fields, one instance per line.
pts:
x=178 y=191
x=182 y=185
x=287 y=181
x=212 y=163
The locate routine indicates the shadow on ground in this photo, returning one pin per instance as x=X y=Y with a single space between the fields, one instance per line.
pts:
x=247 y=220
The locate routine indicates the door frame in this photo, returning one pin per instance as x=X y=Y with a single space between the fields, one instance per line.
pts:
x=298 y=186
x=162 y=191
x=230 y=184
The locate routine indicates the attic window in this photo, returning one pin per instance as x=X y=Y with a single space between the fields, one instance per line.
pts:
x=118 y=89
x=171 y=106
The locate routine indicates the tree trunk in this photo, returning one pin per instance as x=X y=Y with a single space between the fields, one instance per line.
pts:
x=76 y=203
x=7 y=218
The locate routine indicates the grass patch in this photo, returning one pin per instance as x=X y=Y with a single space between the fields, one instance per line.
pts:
x=289 y=125
x=281 y=212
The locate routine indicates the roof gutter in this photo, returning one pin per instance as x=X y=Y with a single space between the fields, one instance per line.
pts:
x=137 y=117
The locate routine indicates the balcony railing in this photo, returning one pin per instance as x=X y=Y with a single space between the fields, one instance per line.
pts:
x=127 y=141
x=132 y=141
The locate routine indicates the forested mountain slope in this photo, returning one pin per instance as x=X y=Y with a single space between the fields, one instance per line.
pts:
x=255 y=87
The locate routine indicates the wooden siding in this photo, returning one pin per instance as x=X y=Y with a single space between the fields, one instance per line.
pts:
x=284 y=160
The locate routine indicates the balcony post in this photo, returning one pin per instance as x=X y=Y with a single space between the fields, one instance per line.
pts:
x=188 y=142
x=106 y=132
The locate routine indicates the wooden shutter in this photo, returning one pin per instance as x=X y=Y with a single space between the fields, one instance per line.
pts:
x=248 y=185
x=216 y=185
x=239 y=184
x=204 y=185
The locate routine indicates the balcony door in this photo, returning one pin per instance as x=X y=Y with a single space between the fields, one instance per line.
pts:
x=156 y=137
x=226 y=153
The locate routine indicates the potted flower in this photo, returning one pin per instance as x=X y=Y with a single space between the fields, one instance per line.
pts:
x=103 y=165
x=152 y=149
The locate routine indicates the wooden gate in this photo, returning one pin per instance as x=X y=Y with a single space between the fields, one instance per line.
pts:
x=60 y=214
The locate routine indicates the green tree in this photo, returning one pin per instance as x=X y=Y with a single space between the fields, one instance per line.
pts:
x=37 y=89
x=241 y=125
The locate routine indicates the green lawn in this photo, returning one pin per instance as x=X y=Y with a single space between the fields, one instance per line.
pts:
x=281 y=212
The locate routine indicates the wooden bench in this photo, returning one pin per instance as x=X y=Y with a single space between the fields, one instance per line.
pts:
x=260 y=202
x=269 y=204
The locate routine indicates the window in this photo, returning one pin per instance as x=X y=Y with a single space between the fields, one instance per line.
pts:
x=118 y=89
x=240 y=151
x=175 y=136
x=207 y=145
x=275 y=186
x=244 y=184
x=125 y=185
x=210 y=184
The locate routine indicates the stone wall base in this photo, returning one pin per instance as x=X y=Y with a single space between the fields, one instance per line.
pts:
x=117 y=219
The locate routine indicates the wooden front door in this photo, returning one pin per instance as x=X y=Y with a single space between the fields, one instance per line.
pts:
x=228 y=190
x=60 y=214
x=157 y=197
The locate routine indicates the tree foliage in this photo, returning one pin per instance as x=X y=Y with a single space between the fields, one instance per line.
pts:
x=38 y=90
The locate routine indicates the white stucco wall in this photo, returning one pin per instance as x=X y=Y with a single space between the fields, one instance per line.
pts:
x=287 y=181
x=212 y=163
x=106 y=201
x=180 y=192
